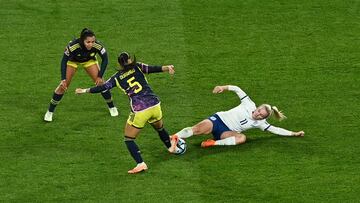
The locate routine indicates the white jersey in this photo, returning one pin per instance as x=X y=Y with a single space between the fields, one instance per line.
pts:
x=240 y=118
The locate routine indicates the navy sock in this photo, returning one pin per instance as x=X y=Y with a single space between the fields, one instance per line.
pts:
x=133 y=149
x=107 y=96
x=164 y=136
x=55 y=100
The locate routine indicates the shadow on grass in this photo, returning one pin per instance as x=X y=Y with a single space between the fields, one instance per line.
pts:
x=195 y=151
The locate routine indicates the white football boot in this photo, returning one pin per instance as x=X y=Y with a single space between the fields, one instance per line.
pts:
x=48 y=116
x=113 y=111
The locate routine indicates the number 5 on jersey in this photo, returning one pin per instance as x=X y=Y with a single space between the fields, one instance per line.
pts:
x=135 y=84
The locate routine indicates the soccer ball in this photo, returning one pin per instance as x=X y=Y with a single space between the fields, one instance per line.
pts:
x=180 y=147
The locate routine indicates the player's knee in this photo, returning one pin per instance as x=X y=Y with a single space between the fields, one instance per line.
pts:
x=158 y=126
x=240 y=139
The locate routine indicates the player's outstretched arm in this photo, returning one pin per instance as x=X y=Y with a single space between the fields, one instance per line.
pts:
x=96 y=89
x=284 y=132
x=298 y=134
x=156 y=69
x=109 y=84
x=220 y=89
x=64 y=60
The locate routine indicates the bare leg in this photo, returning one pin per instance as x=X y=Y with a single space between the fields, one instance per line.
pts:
x=70 y=72
x=203 y=127
x=158 y=124
x=131 y=131
x=93 y=72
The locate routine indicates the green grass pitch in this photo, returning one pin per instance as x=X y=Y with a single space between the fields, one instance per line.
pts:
x=302 y=56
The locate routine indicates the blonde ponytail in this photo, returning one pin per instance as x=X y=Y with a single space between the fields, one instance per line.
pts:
x=273 y=110
x=278 y=114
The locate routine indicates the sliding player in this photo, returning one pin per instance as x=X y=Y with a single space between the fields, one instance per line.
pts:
x=82 y=52
x=227 y=126
x=145 y=105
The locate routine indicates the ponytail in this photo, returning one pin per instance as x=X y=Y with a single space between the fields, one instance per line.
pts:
x=123 y=59
x=273 y=110
x=278 y=114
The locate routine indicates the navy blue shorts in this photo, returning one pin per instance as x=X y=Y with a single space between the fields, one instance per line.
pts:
x=218 y=126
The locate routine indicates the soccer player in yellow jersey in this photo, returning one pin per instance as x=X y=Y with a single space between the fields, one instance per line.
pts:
x=82 y=51
x=144 y=104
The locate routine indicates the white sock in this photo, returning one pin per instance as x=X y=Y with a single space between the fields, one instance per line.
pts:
x=185 y=133
x=226 y=141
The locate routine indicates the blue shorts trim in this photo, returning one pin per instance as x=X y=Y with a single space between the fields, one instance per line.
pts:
x=218 y=126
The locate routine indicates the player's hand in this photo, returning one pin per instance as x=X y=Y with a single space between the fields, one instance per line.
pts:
x=63 y=85
x=99 y=81
x=169 y=68
x=218 y=89
x=80 y=91
x=299 y=134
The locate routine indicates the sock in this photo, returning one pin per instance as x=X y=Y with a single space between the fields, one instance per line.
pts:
x=226 y=141
x=55 y=100
x=133 y=149
x=185 y=133
x=164 y=136
x=107 y=96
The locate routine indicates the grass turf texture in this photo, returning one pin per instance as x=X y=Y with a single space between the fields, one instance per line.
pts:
x=302 y=56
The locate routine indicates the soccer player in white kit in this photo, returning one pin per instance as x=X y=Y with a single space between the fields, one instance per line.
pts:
x=227 y=126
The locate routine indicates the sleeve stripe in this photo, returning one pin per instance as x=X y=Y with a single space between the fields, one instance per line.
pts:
x=75 y=46
x=97 y=46
x=267 y=127
x=243 y=97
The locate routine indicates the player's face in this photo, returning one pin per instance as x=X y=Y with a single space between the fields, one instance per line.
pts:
x=89 y=42
x=260 y=113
